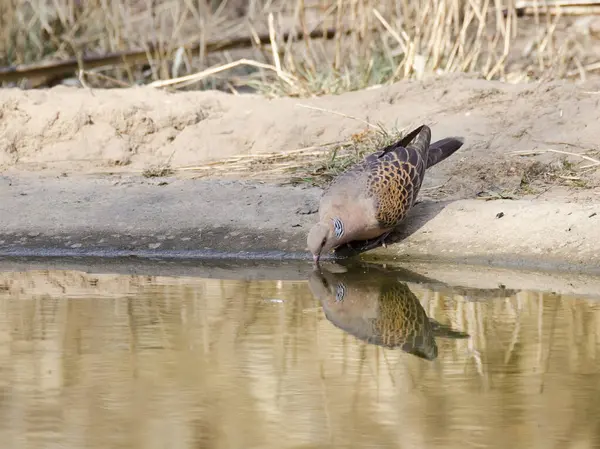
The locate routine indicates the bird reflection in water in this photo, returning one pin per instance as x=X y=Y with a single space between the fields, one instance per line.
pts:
x=379 y=309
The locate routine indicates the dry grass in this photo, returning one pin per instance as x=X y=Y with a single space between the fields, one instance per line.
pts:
x=376 y=42
x=537 y=177
x=315 y=166
x=567 y=171
x=158 y=171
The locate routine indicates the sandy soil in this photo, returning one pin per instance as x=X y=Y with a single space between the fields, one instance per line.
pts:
x=121 y=215
x=72 y=158
x=71 y=130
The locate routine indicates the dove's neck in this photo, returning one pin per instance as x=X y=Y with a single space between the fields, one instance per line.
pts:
x=351 y=218
x=347 y=227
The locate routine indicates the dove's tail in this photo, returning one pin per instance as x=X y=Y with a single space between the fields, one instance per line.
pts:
x=440 y=150
x=445 y=331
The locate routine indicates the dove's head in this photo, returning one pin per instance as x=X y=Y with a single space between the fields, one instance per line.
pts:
x=321 y=239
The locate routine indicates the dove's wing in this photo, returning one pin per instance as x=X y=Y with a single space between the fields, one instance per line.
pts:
x=384 y=184
x=378 y=192
x=395 y=177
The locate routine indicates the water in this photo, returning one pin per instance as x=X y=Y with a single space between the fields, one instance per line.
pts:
x=154 y=361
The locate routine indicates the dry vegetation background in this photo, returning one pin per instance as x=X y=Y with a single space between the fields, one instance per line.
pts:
x=258 y=44
x=146 y=361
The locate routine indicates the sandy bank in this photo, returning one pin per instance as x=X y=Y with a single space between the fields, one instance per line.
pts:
x=72 y=158
x=113 y=216
x=75 y=131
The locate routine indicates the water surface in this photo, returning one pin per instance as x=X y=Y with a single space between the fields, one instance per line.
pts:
x=339 y=359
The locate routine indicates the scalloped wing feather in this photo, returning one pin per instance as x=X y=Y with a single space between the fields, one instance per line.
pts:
x=386 y=182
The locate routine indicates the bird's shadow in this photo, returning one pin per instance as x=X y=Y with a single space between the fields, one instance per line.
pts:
x=418 y=216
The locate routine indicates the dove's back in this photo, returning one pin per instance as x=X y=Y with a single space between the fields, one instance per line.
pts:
x=385 y=184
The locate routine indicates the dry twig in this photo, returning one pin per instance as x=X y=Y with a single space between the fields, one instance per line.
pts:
x=595 y=162
x=341 y=114
x=195 y=77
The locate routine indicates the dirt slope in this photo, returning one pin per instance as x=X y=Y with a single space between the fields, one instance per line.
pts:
x=71 y=130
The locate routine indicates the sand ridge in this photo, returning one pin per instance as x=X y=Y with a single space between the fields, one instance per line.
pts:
x=70 y=130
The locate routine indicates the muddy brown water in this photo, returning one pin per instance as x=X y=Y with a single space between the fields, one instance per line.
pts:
x=342 y=357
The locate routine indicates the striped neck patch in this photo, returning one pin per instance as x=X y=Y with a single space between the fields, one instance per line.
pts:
x=338 y=227
x=340 y=292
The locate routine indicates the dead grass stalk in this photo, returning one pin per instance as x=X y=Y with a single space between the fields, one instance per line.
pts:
x=315 y=166
x=371 y=44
